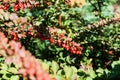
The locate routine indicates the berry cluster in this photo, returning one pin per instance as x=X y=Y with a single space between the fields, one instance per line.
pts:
x=4 y=7
x=22 y=5
x=68 y=44
x=71 y=46
x=29 y=33
x=64 y=41
x=14 y=36
x=19 y=5
x=37 y=35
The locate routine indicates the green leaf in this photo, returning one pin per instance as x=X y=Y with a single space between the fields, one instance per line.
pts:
x=59 y=72
x=3 y=72
x=107 y=11
x=13 y=70
x=15 y=77
x=68 y=59
x=100 y=70
x=67 y=22
x=6 y=76
x=89 y=78
x=77 y=10
x=54 y=67
x=115 y=63
x=92 y=73
x=74 y=77
x=68 y=72
x=38 y=23
x=90 y=17
x=3 y=66
x=2 y=59
x=58 y=77
x=74 y=69
x=1 y=17
x=29 y=14
x=45 y=66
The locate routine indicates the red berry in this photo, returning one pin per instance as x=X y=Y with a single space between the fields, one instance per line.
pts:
x=63 y=45
x=21 y=5
x=51 y=40
x=73 y=51
x=15 y=38
x=78 y=52
x=67 y=47
x=5 y=8
x=16 y=7
x=73 y=48
x=13 y=33
x=110 y=52
x=29 y=5
x=30 y=29
x=59 y=43
x=25 y=5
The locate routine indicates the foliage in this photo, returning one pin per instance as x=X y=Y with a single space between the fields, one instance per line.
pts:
x=72 y=39
x=28 y=66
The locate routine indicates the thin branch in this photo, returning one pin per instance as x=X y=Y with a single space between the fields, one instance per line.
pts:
x=103 y=23
x=93 y=5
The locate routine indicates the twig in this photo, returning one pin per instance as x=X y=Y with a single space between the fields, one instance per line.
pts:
x=103 y=22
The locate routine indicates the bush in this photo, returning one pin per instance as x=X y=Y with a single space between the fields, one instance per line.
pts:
x=81 y=36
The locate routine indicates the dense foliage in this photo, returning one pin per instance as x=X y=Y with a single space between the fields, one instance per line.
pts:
x=69 y=39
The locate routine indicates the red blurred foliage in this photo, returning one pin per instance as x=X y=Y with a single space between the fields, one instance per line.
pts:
x=28 y=65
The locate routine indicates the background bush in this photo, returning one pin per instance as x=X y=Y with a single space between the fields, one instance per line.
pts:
x=77 y=35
